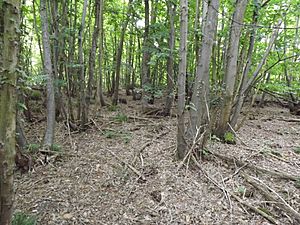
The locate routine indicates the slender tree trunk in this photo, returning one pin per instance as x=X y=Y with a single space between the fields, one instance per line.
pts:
x=119 y=54
x=170 y=63
x=231 y=65
x=181 y=143
x=82 y=110
x=146 y=58
x=100 y=97
x=9 y=45
x=49 y=135
x=199 y=113
x=92 y=58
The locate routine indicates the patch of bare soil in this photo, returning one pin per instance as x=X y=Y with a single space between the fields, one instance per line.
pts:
x=126 y=173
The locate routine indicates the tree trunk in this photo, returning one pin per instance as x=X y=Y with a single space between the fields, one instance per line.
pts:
x=170 y=62
x=146 y=58
x=119 y=54
x=199 y=112
x=231 y=65
x=92 y=58
x=99 y=96
x=181 y=143
x=9 y=45
x=49 y=135
x=82 y=110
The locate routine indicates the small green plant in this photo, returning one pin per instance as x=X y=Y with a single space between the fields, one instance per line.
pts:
x=110 y=134
x=113 y=108
x=229 y=138
x=56 y=148
x=20 y=218
x=241 y=190
x=297 y=150
x=120 y=117
x=297 y=183
x=33 y=148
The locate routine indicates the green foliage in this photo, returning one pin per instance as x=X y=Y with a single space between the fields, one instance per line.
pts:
x=241 y=190
x=33 y=148
x=297 y=150
x=113 y=108
x=229 y=138
x=297 y=183
x=20 y=218
x=156 y=92
x=56 y=148
x=115 y=134
x=120 y=117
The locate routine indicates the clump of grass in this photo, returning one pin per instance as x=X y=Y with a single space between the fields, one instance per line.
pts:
x=56 y=148
x=229 y=138
x=297 y=150
x=113 y=108
x=112 y=134
x=121 y=117
x=33 y=147
x=21 y=218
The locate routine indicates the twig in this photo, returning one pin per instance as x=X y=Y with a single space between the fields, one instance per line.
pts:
x=254 y=167
x=227 y=194
x=237 y=136
x=127 y=164
x=272 y=195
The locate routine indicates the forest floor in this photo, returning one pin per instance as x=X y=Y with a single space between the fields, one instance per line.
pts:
x=126 y=173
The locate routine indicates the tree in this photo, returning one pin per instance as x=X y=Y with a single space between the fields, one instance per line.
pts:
x=9 y=45
x=119 y=54
x=170 y=62
x=146 y=57
x=181 y=142
x=231 y=65
x=49 y=135
x=199 y=112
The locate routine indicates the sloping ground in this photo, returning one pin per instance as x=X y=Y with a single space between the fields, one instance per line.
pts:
x=125 y=173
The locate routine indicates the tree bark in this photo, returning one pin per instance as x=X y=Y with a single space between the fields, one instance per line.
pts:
x=9 y=45
x=231 y=65
x=49 y=135
x=119 y=54
x=170 y=62
x=181 y=143
x=82 y=110
x=145 y=78
x=199 y=112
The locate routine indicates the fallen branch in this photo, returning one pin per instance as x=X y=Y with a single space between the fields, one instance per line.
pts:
x=290 y=120
x=128 y=165
x=272 y=196
x=258 y=211
x=249 y=165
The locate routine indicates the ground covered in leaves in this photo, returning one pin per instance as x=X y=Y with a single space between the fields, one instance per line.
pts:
x=122 y=170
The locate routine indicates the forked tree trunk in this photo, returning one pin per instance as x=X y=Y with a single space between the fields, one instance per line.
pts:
x=170 y=62
x=9 y=45
x=181 y=143
x=49 y=135
x=231 y=65
x=199 y=112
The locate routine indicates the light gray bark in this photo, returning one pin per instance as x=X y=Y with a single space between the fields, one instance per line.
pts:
x=231 y=65
x=49 y=135
x=199 y=112
x=181 y=143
